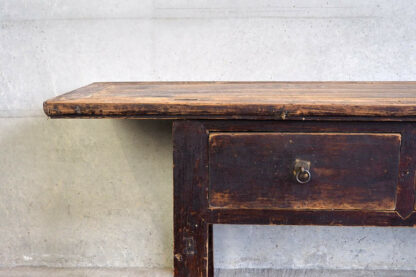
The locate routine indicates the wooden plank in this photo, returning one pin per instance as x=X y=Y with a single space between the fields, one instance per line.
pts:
x=191 y=232
x=239 y=100
x=304 y=126
x=407 y=172
x=308 y=217
x=349 y=170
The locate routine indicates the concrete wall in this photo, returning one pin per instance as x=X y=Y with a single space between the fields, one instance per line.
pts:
x=99 y=192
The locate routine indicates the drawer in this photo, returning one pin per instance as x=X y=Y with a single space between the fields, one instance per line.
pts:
x=271 y=170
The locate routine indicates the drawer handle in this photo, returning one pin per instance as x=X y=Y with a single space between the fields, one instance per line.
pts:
x=302 y=171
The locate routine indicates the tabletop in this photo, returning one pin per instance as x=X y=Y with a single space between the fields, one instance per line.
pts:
x=238 y=100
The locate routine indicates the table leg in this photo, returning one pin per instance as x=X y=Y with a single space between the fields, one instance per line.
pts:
x=191 y=232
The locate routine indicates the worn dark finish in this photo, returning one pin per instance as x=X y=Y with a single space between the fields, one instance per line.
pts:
x=356 y=139
x=191 y=232
x=210 y=251
x=239 y=100
x=407 y=172
x=383 y=197
x=349 y=171
x=405 y=198
x=309 y=217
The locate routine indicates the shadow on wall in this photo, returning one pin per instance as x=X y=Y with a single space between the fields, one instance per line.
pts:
x=86 y=192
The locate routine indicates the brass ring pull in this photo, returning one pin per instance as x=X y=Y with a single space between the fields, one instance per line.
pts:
x=303 y=176
x=302 y=171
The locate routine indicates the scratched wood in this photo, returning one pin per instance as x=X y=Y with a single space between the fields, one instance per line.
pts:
x=407 y=172
x=389 y=144
x=406 y=179
x=239 y=100
x=349 y=171
x=308 y=217
x=191 y=234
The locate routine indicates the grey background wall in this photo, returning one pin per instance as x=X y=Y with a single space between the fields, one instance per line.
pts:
x=78 y=193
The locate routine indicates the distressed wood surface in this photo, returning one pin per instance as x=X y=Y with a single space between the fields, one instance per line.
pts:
x=239 y=100
x=309 y=217
x=407 y=172
x=405 y=199
x=191 y=233
x=378 y=181
x=349 y=170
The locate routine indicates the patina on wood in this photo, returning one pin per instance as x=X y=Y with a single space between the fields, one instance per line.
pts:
x=239 y=100
x=349 y=171
x=192 y=233
x=383 y=197
x=405 y=199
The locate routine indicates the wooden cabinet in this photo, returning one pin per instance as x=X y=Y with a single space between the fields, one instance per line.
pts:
x=315 y=153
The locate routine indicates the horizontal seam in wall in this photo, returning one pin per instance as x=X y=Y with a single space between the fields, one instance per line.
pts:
x=195 y=18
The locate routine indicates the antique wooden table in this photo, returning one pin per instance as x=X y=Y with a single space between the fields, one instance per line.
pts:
x=298 y=153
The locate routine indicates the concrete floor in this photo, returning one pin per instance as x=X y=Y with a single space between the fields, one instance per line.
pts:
x=130 y=272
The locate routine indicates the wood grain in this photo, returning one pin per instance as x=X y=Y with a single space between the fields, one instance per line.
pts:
x=378 y=140
x=191 y=233
x=309 y=217
x=405 y=199
x=407 y=172
x=349 y=170
x=239 y=100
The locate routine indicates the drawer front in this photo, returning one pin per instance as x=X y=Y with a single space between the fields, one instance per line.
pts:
x=347 y=170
